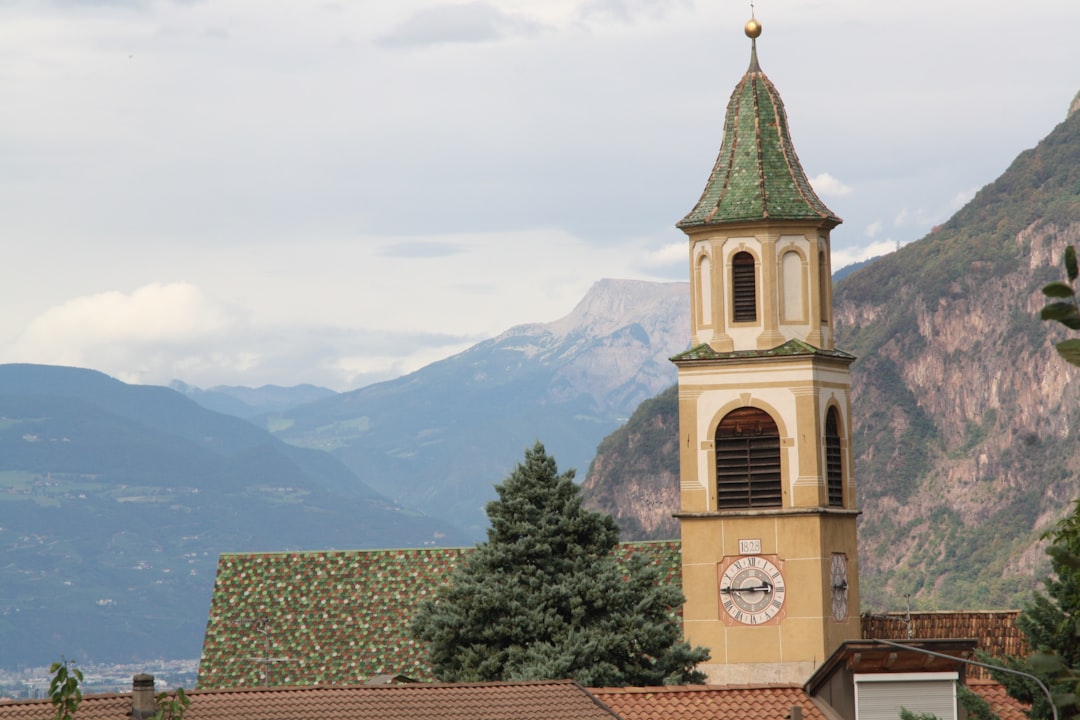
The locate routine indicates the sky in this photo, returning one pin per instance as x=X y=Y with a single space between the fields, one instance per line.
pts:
x=242 y=192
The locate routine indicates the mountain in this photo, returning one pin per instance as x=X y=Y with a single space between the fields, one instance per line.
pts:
x=437 y=440
x=248 y=402
x=964 y=418
x=115 y=501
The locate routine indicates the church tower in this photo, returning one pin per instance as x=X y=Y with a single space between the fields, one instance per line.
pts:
x=767 y=495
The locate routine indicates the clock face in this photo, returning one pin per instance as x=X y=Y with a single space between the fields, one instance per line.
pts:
x=838 y=573
x=752 y=590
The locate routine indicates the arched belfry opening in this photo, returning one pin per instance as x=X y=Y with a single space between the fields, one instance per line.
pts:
x=748 y=460
x=743 y=288
x=834 y=465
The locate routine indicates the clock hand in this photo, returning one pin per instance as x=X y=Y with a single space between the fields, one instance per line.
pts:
x=763 y=587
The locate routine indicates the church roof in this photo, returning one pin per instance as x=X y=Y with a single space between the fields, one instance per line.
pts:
x=337 y=617
x=757 y=176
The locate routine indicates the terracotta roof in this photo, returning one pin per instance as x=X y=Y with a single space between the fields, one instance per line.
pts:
x=556 y=700
x=336 y=617
x=709 y=702
x=1005 y=707
x=994 y=630
x=111 y=706
x=757 y=176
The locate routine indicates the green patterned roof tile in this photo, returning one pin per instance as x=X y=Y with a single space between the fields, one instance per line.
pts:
x=792 y=348
x=757 y=176
x=335 y=617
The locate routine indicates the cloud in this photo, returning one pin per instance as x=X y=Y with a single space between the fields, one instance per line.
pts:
x=960 y=199
x=174 y=312
x=474 y=22
x=828 y=186
x=161 y=332
x=628 y=11
x=114 y=331
x=850 y=256
x=669 y=254
x=874 y=229
x=421 y=249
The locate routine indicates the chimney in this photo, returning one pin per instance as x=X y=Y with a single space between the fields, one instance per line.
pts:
x=143 y=702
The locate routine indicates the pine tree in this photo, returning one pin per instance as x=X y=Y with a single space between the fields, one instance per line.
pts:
x=544 y=597
x=1051 y=625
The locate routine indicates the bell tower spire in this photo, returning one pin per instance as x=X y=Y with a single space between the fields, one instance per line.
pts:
x=767 y=493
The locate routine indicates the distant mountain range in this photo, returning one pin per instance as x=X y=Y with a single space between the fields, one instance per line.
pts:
x=437 y=440
x=115 y=501
x=245 y=402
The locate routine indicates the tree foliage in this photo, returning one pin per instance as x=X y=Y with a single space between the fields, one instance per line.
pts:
x=544 y=598
x=1051 y=624
x=1063 y=307
x=64 y=692
x=171 y=707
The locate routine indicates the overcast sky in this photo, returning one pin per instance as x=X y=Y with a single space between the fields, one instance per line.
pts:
x=247 y=192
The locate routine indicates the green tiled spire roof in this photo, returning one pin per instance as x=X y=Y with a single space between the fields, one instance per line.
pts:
x=757 y=176
x=336 y=617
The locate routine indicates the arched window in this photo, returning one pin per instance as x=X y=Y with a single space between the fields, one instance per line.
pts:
x=834 y=465
x=824 y=287
x=743 y=287
x=791 y=268
x=748 y=460
x=705 y=283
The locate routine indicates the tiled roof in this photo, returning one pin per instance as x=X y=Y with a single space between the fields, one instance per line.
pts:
x=335 y=617
x=555 y=700
x=995 y=631
x=1005 y=707
x=757 y=176
x=111 y=706
x=791 y=348
x=709 y=702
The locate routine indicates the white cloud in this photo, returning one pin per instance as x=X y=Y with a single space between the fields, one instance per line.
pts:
x=960 y=199
x=850 y=256
x=157 y=313
x=669 y=254
x=473 y=22
x=874 y=229
x=828 y=186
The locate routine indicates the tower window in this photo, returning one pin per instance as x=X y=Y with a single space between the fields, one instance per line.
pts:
x=824 y=287
x=748 y=460
x=743 y=287
x=834 y=467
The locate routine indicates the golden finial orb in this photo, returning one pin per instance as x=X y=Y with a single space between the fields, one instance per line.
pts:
x=753 y=28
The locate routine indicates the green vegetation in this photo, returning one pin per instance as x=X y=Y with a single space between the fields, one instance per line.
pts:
x=171 y=707
x=544 y=598
x=64 y=692
x=1051 y=624
x=1065 y=309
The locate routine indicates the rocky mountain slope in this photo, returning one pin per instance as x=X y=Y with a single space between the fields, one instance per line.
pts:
x=965 y=419
x=437 y=440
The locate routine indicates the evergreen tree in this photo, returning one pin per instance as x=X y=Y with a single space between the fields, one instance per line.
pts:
x=544 y=598
x=1051 y=624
